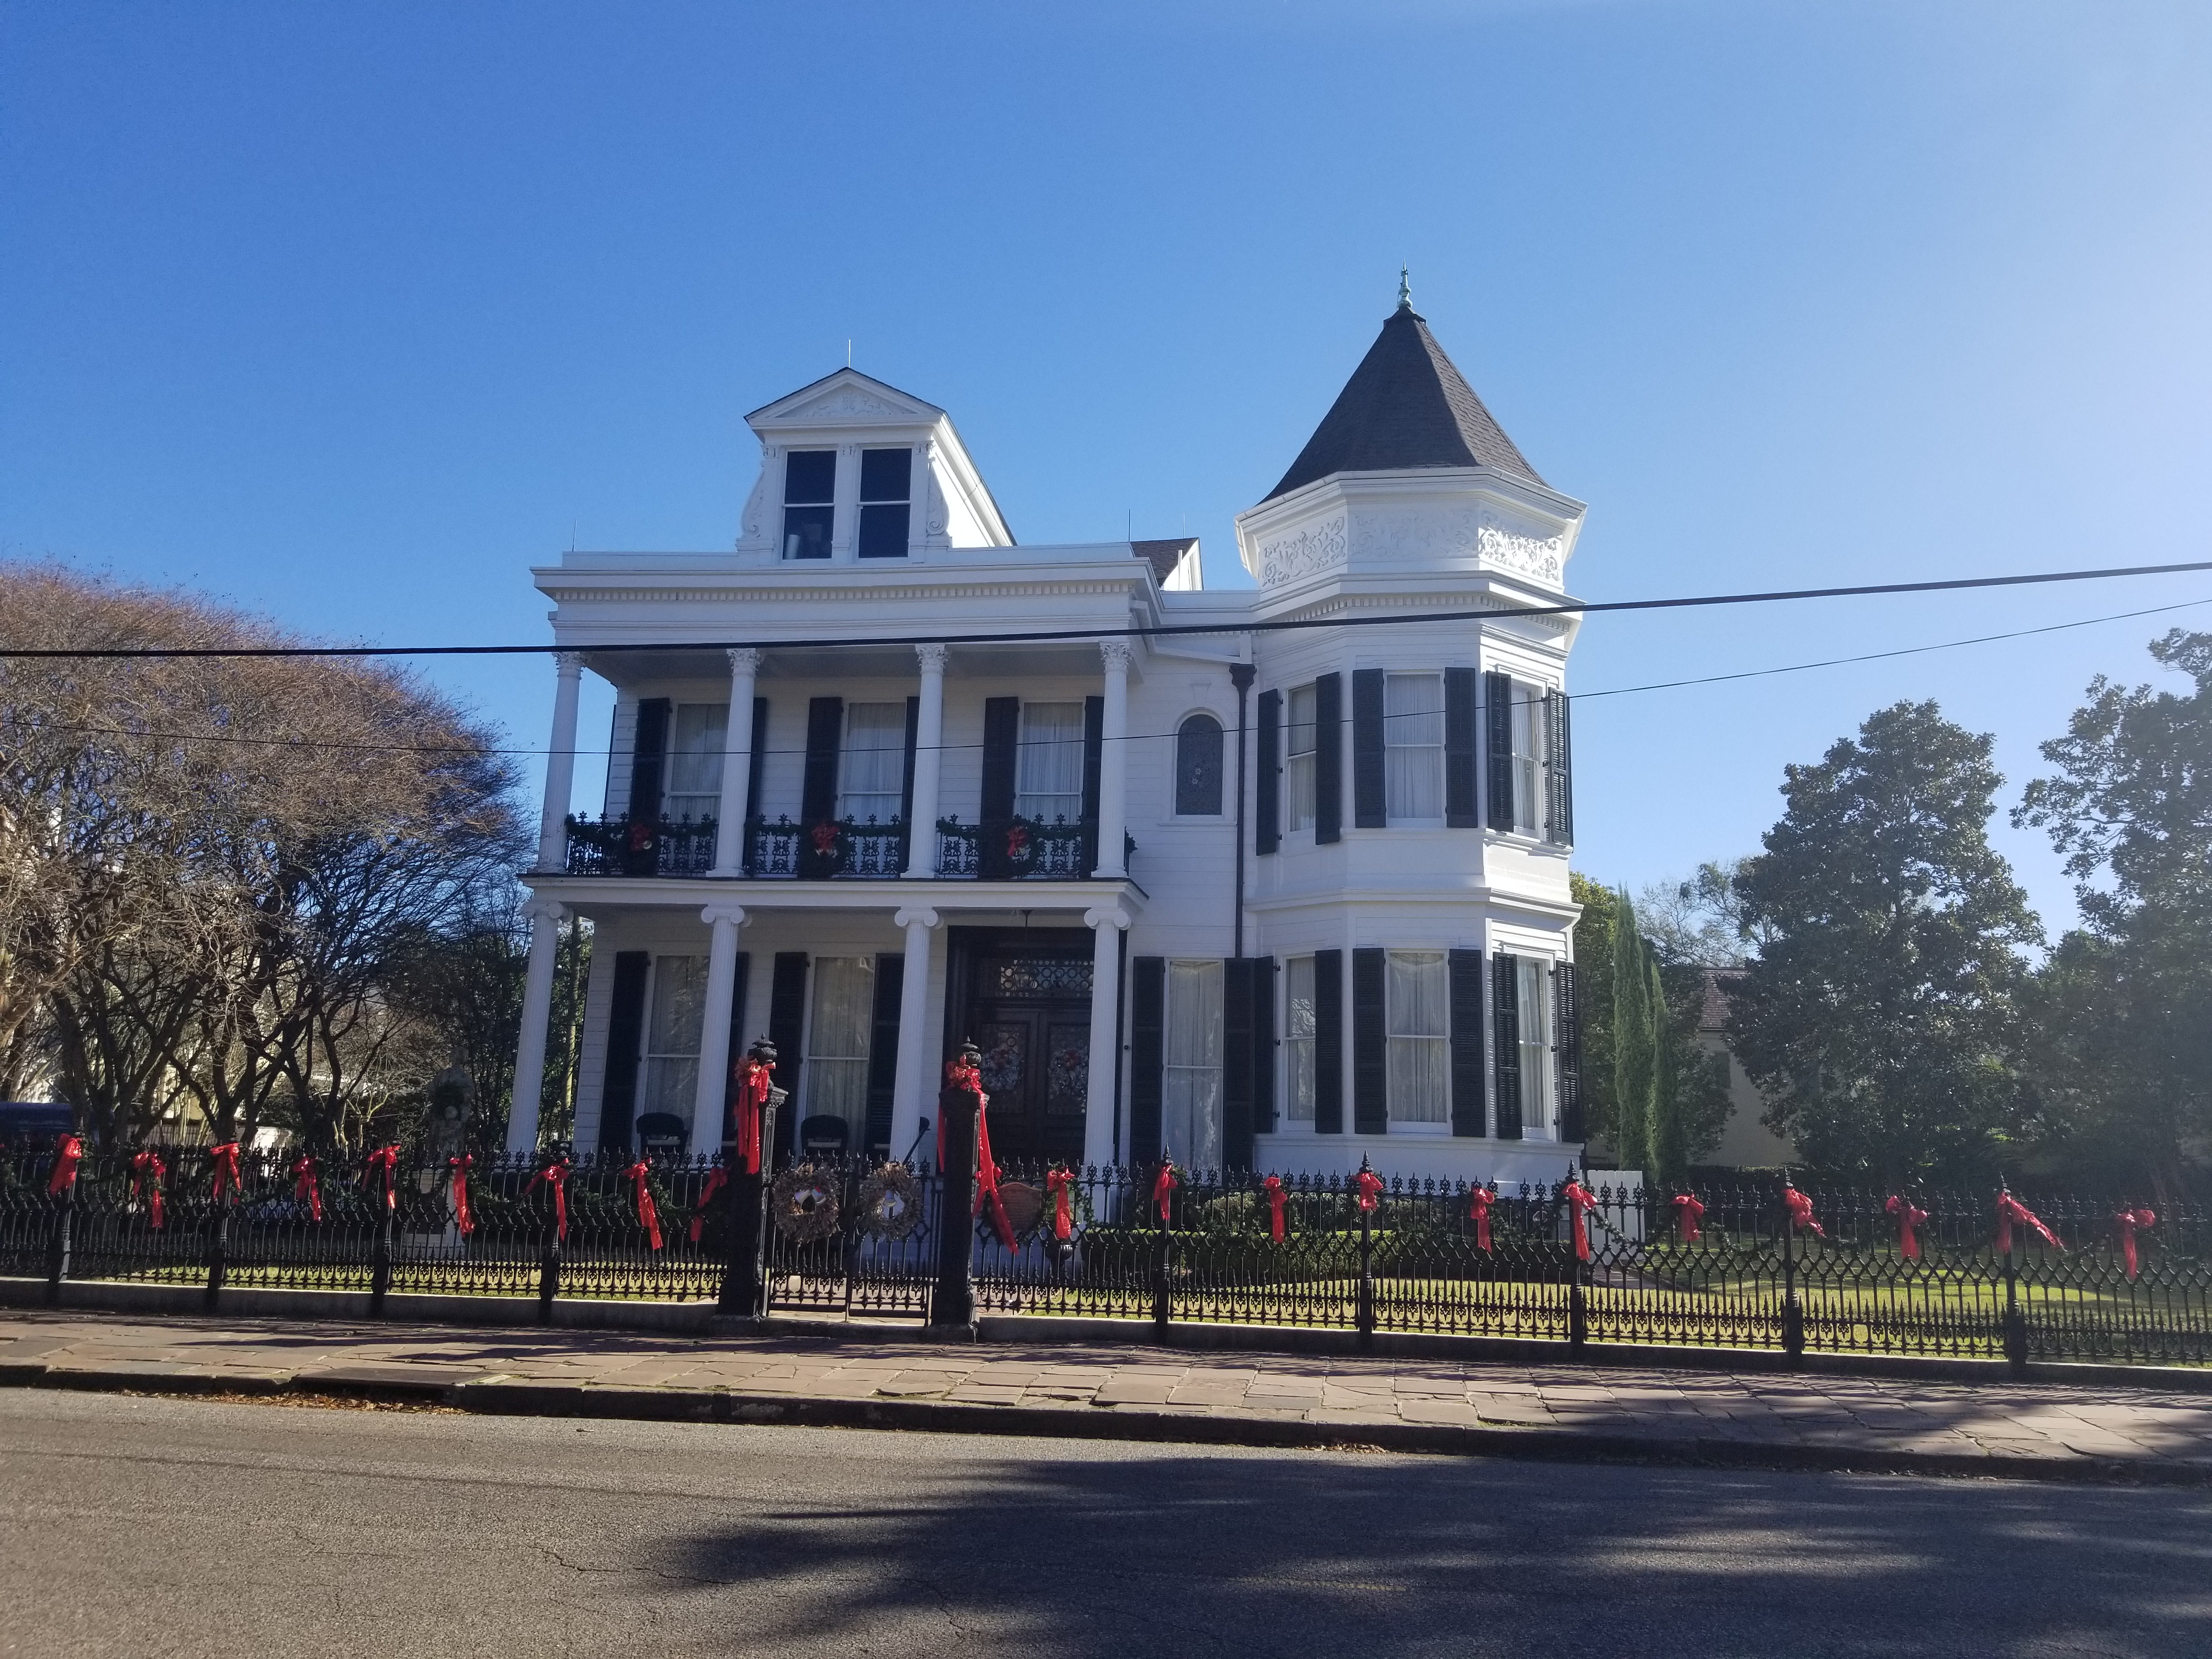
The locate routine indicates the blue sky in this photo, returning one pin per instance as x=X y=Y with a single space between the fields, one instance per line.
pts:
x=348 y=314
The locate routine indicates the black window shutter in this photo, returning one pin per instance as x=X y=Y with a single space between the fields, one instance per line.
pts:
x=1464 y=967
x=1505 y=1041
x=1267 y=797
x=1002 y=733
x=1263 y=970
x=825 y=734
x=912 y=740
x=648 y=751
x=1371 y=1071
x=1497 y=733
x=1567 y=1019
x=1236 y=1063
x=787 y=1028
x=1367 y=812
x=1559 y=770
x=1148 y=990
x=1461 y=725
x=1094 y=746
x=757 y=760
x=738 y=1042
x=1328 y=1042
x=1329 y=759
x=625 y=1032
x=883 y=1049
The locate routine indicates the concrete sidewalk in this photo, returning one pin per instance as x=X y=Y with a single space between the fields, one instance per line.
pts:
x=2037 y=1431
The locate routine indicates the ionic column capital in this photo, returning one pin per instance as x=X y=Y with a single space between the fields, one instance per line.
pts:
x=1107 y=915
x=733 y=914
x=913 y=914
x=544 y=906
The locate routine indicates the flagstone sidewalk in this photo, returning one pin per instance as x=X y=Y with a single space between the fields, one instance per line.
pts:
x=2050 y=1430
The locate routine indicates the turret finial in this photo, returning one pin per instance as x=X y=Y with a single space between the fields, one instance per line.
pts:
x=1404 y=291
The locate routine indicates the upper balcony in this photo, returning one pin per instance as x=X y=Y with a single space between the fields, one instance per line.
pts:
x=1013 y=848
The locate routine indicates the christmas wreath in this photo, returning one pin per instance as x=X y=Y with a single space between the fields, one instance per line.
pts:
x=804 y=1202
x=890 y=1202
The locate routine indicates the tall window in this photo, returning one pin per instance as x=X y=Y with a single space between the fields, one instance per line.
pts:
x=1300 y=743
x=837 y=1040
x=1190 y=1105
x=1413 y=746
x=1198 y=767
x=1528 y=759
x=873 y=769
x=1048 y=770
x=1298 y=1038
x=1418 y=998
x=886 y=485
x=809 y=490
x=694 y=788
x=672 y=1029
x=1537 y=1093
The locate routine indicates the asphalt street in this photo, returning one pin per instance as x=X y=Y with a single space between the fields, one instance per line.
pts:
x=143 y=1527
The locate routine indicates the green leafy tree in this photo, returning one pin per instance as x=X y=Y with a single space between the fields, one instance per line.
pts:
x=1593 y=958
x=1635 y=1039
x=1881 y=1016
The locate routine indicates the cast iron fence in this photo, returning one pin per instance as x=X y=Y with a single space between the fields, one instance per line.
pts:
x=851 y=1237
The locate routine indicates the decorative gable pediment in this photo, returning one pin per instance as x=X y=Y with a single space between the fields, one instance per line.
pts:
x=848 y=397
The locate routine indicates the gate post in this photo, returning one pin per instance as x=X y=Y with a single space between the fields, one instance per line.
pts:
x=953 y=1306
x=1363 y=1314
x=745 y=1275
x=1793 y=1313
x=2016 y=1322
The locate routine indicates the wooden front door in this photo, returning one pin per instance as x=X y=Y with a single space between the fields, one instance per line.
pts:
x=1027 y=1008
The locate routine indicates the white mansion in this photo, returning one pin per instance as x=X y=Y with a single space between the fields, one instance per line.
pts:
x=1225 y=875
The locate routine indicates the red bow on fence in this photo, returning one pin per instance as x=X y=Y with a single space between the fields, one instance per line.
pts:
x=1909 y=1217
x=2009 y=1210
x=754 y=1081
x=2127 y=1221
x=1164 y=1186
x=1800 y=1211
x=556 y=1177
x=306 y=1189
x=648 y=1214
x=224 y=1158
x=1688 y=1212
x=464 y=1218
x=1057 y=1182
x=1580 y=1202
x=148 y=1166
x=1370 y=1187
x=1479 y=1203
x=1272 y=1186
x=385 y=1162
x=69 y=1152
x=717 y=1178
x=987 y=1177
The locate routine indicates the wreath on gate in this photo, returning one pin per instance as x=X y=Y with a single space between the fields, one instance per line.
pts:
x=890 y=1202
x=804 y=1203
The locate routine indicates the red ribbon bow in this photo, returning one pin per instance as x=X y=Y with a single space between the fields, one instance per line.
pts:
x=1370 y=1187
x=824 y=835
x=1688 y=1212
x=69 y=1152
x=961 y=1078
x=384 y=1160
x=1479 y=1203
x=224 y=1157
x=1164 y=1186
x=1018 y=840
x=464 y=1218
x=2127 y=1221
x=148 y=1165
x=1909 y=1217
x=555 y=1175
x=1272 y=1186
x=754 y=1081
x=2009 y=1210
x=1800 y=1211
x=987 y=1177
x=648 y=1214
x=1580 y=1202
x=305 y=1187
x=717 y=1178
x=1057 y=1182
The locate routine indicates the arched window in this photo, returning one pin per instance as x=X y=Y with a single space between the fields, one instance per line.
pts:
x=1198 y=767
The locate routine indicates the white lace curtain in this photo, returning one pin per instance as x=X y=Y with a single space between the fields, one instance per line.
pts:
x=1049 y=771
x=1190 y=1113
x=1418 y=996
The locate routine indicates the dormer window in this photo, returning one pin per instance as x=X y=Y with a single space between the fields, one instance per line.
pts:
x=886 y=491
x=810 y=494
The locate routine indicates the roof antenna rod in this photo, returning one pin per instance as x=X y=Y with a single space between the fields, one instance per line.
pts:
x=848 y=353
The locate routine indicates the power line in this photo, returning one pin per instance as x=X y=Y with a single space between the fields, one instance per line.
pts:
x=1156 y=630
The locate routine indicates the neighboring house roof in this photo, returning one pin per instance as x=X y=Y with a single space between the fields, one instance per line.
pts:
x=1404 y=406
x=1164 y=557
x=1713 y=1016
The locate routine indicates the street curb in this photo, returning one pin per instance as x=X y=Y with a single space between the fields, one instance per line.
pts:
x=498 y=1395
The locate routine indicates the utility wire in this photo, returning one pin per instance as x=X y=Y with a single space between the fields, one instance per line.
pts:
x=1156 y=630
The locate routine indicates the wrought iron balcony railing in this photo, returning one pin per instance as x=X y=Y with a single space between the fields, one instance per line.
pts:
x=642 y=847
x=1016 y=850
x=864 y=850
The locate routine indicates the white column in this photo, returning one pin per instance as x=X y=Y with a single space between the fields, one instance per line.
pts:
x=560 y=763
x=913 y=1095
x=1107 y=926
x=723 y=920
x=928 y=750
x=1114 y=761
x=737 y=765
x=545 y=915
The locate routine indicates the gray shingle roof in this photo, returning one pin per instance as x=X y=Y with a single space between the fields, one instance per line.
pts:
x=1404 y=406
x=1164 y=557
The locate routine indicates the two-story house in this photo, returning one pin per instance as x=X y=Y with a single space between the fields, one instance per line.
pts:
x=1272 y=877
